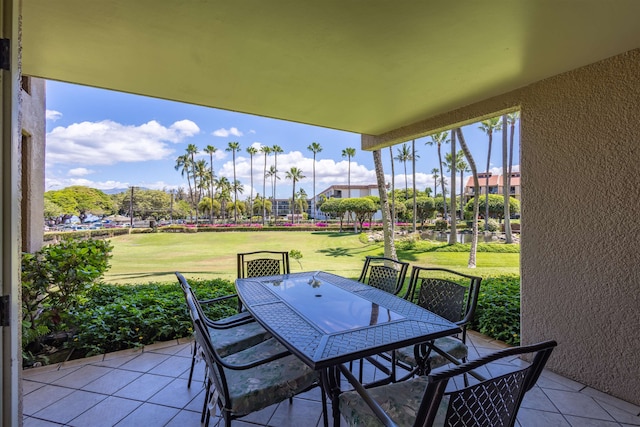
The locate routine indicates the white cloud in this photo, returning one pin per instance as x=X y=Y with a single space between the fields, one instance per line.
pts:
x=222 y=132
x=79 y=172
x=53 y=115
x=108 y=142
x=58 y=184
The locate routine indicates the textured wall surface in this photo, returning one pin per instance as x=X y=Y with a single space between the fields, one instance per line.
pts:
x=33 y=164
x=580 y=220
x=580 y=250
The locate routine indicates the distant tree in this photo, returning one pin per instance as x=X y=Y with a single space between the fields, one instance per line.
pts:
x=425 y=208
x=265 y=150
x=404 y=155
x=349 y=153
x=315 y=148
x=81 y=201
x=496 y=206
x=275 y=149
x=489 y=127
x=192 y=150
x=361 y=207
x=211 y=150
x=335 y=208
x=439 y=139
x=252 y=151
x=295 y=175
x=234 y=147
x=435 y=172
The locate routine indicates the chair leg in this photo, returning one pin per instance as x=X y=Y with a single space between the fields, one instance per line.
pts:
x=193 y=362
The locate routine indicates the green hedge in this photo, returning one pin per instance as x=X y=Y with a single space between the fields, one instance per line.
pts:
x=498 y=311
x=117 y=317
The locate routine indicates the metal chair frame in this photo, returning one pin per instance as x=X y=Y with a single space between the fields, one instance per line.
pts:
x=384 y=273
x=493 y=401
x=262 y=263
x=226 y=323
x=216 y=387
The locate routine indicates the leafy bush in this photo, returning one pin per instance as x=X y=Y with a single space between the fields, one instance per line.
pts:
x=54 y=281
x=492 y=224
x=441 y=225
x=498 y=311
x=117 y=317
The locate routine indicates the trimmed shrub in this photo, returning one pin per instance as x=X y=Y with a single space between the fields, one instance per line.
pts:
x=117 y=317
x=498 y=311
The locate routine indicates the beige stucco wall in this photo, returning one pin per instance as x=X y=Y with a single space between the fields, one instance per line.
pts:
x=32 y=164
x=580 y=268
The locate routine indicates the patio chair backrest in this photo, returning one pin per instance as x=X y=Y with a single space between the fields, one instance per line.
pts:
x=384 y=273
x=262 y=263
x=493 y=402
x=455 y=297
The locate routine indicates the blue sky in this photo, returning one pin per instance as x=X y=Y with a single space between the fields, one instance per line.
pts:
x=105 y=139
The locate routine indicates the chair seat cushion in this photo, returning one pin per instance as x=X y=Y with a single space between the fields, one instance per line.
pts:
x=237 y=338
x=400 y=401
x=451 y=345
x=256 y=388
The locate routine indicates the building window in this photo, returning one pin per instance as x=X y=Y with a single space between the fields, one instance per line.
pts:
x=25 y=83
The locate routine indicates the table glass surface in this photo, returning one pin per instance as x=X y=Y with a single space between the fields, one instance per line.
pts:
x=326 y=319
x=329 y=307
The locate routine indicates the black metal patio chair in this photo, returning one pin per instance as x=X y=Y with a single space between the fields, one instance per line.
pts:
x=448 y=294
x=232 y=334
x=428 y=401
x=249 y=380
x=262 y=263
x=384 y=273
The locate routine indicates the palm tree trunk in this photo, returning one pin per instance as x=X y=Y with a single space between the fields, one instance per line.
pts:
x=264 y=190
x=413 y=171
x=389 y=244
x=444 y=196
x=453 y=236
x=476 y=189
x=505 y=182
x=486 y=187
x=393 y=194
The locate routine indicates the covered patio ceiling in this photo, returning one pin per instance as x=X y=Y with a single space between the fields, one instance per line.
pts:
x=366 y=67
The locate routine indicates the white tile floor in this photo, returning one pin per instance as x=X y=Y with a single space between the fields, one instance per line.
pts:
x=148 y=387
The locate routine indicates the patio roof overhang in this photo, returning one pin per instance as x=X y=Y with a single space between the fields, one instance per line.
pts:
x=365 y=67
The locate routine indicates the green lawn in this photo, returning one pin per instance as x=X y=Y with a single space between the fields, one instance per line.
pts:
x=143 y=258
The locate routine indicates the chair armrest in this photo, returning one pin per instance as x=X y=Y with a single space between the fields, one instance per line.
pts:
x=259 y=362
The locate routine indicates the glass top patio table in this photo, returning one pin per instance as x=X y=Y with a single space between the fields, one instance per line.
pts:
x=325 y=319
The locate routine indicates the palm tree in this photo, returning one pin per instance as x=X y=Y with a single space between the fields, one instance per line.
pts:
x=272 y=173
x=234 y=147
x=476 y=189
x=315 y=148
x=462 y=167
x=202 y=173
x=224 y=190
x=489 y=126
x=210 y=150
x=438 y=139
x=276 y=149
x=301 y=200
x=252 y=152
x=183 y=164
x=349 y=153
x=295 y=175
x=511 y=120
x=436 y=174
x=404 y=155
x=414 y=156
x=387 y=230
x=393 y=193
x=266 y=150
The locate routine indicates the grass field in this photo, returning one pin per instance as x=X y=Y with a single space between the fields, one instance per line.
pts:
x=143 y=258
